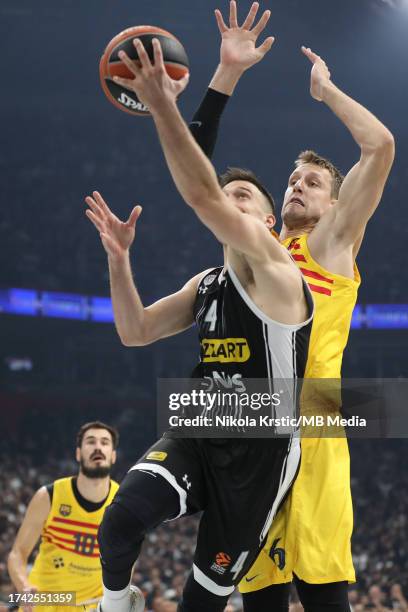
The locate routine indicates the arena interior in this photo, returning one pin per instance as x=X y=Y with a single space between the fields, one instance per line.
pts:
x=62 y=139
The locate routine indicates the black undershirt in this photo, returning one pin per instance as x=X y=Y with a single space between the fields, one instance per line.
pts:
x=85 y=504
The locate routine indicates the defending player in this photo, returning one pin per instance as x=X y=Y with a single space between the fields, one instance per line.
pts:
x=66 y=514
x=324 y=220
x=259 y=302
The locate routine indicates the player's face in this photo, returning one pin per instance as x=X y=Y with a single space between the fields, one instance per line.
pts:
x=250 y=200
x=308 y=196
x=96 y=454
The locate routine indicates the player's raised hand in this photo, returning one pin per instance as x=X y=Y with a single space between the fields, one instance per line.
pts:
x=320 y=75
x=238 y=43
x=116 y=235
x=151 y=83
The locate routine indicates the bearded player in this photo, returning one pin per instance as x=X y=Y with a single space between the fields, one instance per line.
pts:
x=324 y=219
x=66 y=514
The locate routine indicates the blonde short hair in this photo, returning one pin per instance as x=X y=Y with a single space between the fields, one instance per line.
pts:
x=310 y=157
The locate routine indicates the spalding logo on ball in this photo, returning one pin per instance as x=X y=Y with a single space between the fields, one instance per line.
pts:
x=174 y=57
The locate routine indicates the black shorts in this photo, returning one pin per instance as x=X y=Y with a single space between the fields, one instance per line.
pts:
x=239 y=484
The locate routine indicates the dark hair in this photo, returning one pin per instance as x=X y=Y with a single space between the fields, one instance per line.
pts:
x=241 y=174
x=310 y=157
x=97 y=425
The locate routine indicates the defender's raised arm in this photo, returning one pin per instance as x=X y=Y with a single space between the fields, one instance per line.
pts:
x=238 y=53
x=363 y=186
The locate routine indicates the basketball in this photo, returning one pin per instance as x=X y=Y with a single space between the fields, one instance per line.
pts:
x=174 y=56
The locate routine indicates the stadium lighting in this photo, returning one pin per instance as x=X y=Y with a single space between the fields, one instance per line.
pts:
x=395 y=4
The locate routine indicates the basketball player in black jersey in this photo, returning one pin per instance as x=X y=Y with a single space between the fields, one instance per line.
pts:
x=257 y=311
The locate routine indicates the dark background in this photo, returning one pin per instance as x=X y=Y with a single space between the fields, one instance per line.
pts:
x=60 y=139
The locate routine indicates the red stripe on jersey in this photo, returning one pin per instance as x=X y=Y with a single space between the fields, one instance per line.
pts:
x=318 y=289
x=60 y=530
x=76 y=552
x=316 y=275
x=68 y=541
x=57 y=519
x=299 y=257
x=53 y=536
x=294 y=246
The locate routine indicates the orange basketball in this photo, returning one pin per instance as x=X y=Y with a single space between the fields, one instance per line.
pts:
x=174 y=56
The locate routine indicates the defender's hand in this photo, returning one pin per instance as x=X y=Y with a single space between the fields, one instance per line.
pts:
x=238 y=48
x=151 y=83
x=116 y=235
x=320 y=75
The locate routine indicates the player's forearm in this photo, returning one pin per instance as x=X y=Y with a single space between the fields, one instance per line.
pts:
x=205 y=123
x=192 y=172
x=128 y=308
x=226 y=78
x=17 y=568
x=368 y=132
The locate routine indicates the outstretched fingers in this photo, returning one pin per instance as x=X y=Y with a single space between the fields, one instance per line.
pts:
x=142 y=53
x=126 y=83
x=101 y=203
x=310 y=54
x=94 y=206
x=266 y=45
x=97 y=221
x=233 y=14
x=134 y=215
x=222 y=26
x=249 y=21
x=158 y=55
x=261 y=25
x=96 y=211
x=130 y=64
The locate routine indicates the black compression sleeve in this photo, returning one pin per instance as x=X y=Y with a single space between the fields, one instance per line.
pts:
x=204 y=125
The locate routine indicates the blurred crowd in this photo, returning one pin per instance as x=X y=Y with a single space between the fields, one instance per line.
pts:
x=48 y=243
x=380 y=543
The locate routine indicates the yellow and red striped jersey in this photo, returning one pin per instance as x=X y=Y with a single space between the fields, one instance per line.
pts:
x=335 y=297
x=314 y=526
x=68 y=559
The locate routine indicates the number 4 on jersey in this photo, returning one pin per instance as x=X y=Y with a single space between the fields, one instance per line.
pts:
x=211 y=316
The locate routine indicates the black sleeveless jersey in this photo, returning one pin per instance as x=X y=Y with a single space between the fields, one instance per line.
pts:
x=238 y=341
